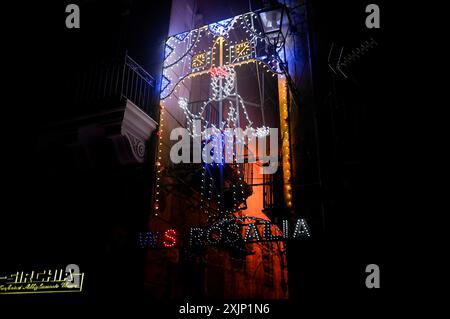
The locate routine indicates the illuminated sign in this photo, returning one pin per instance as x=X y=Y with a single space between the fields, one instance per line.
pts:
x=155 y=240
x=42 y=281
x=244 y=229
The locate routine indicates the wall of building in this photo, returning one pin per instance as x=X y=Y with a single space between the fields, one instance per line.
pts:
x=260 y=272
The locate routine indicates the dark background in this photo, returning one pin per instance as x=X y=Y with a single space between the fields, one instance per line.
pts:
x=361 y=174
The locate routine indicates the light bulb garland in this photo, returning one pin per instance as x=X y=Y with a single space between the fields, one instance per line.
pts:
x=158 y=190
x=252 y=233
x=183 y=48
x=285 y=142
x=184 y=61
x=229 y=231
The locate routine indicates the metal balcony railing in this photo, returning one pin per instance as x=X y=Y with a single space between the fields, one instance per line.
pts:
x=139 y=87
x=101 y=86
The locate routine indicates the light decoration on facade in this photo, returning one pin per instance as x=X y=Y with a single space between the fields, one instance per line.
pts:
x=227 y=231
x=242 y=51
x=209 y=50
x=158 y=174
x=170 y=239
x=285 y=140
x=252 y=233
x=183 y=49
x=154 y=240
x=223 y=88
x=222 y=28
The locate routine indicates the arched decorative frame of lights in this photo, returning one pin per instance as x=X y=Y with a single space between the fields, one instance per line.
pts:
x=218 y=49
x=252 y=46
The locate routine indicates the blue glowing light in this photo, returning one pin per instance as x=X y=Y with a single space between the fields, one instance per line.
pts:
x=222 y=27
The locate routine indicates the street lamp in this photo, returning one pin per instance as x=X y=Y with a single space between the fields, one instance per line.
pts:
x=275 y=23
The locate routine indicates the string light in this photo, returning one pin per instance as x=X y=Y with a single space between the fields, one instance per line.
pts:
x=195 y=236
x=268 y=231
x=226 y=231
x=182 y=48
x=156 y=208
x=223 y=87
x=218 y=235
x=285 y=142
x=170 y=239
x=184 y=61
x=252 y=233
x=301 y=229
x=148 y=239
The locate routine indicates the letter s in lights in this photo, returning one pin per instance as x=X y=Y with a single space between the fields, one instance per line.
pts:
x=169 y=238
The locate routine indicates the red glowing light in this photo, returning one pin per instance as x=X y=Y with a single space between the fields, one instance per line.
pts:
x=216 y=72
x=169 y=238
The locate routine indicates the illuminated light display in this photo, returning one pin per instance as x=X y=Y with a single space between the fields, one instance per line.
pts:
x=219 y=72
x=213 y=50
x=301 y=229
x=157 y=191
x=222 y=27
x=285 y=229
x=213 y=234
x=195 y=236
x=148 y=239
x=252 y=233
x=199 y=61
x=154 y=240
x=226 y=231
x=268 y=231
x=242 y=50
x=285 y=140
x=42 y=281
x=170 y=239
x=186 y=47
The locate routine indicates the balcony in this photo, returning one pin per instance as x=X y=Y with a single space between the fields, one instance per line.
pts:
x=105 y=85
x=116 y=100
